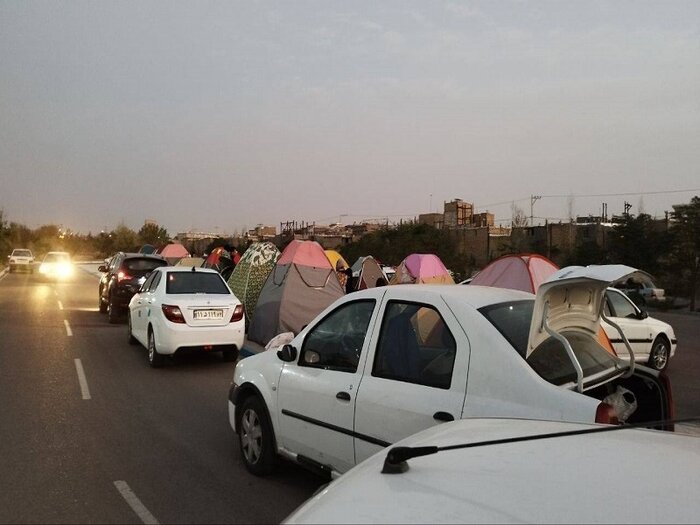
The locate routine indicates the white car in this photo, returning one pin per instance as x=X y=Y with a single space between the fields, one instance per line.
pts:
x=381 y=364
x=186 y=309
x=56 y=265
x=21 y=258
x=615 y=476
x=653 y=341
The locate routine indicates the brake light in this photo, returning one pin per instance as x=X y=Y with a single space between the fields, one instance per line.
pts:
x=122 y=276
x=238 y=313
x=173 y=313
x=606 y=415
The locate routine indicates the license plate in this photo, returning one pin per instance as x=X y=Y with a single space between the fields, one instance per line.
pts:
x=208 y=314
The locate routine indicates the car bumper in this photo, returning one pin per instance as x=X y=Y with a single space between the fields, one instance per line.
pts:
x=179 y=337
x=232 y=415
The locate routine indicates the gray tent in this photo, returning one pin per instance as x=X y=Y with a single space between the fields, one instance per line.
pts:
x=302 y=285
x=367 y=273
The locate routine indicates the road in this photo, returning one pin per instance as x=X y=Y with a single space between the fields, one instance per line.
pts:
x=90 y=434
x=77 y=453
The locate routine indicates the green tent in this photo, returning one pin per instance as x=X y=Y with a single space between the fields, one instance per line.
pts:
x=250 y=274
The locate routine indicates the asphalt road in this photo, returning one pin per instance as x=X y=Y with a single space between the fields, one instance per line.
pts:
x=159 y=437
x=136 y=445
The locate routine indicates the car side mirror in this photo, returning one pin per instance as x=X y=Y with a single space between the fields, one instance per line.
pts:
x=287 y=354
x=102 y=268
x=643 y=314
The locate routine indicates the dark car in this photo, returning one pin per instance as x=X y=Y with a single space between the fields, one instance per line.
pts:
x=122 y=278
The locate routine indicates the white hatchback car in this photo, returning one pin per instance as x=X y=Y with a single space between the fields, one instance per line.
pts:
x=653 y=341
x=577 y=478
x=21 y=258
x=186 y=309
x=381 y=364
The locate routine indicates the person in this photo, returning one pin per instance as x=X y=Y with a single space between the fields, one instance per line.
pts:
x=340 y=272
x=350 y=281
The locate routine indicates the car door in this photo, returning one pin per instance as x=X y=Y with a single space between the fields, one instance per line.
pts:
x=415 y=376
x=143 y=302
x=623 y=312
x=316 y=395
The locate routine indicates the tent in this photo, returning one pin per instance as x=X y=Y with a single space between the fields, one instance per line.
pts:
x=219 y=259
x=522 y=271
x=190 y=261
x=334 y=257
x=301 y=285
x=422 y=268
x=367 y=273
x=526 y=272
x=173 y=252
x=251 y=272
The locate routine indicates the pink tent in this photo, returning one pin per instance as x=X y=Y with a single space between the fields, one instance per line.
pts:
x=522 y=271
x=422 y=268
x=174 y=250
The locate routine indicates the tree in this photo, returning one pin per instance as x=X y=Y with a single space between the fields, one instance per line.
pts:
x=519 y=219
x=124 y=239
x=685 y=256
x=153 y=234
x=640 y=242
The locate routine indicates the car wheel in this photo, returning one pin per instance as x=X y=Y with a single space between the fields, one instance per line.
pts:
x=660 y=353
x=154 y=358
x=112 y=312
x=229 y=355
x=256 y=438
x=132 y=339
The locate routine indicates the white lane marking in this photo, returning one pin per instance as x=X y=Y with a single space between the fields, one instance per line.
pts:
x=135 y=503
x=60 y=305
x=69 y=332
x=82 y=379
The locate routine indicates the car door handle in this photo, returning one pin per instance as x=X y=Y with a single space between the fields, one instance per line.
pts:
x=343 y=396
x=443 y=416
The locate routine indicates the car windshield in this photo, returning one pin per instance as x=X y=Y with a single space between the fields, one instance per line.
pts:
x=196 y=282
x=56 y=257
x=513 y=321
x=21 y=253
x=143 y=264
x=551 y=361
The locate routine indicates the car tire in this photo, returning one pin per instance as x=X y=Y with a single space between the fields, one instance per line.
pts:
x=256 y=437
x=660 y=354
x=132 y=340
x=112 y=312
x=229 y=355
x=154 y=358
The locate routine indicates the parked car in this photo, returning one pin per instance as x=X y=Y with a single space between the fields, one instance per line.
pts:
x=601 y=477
x=641 y=288
x=21 y=259
x=56 y=265
x=381 y=364
x=186 y=309
x=652 y=340
x=122 y=278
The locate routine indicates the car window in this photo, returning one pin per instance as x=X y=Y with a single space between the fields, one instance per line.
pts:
x=621 y=306
x=513 y=320
x=415 y=346
x=156 y=279
x=146 y=285
x=142 y=264
x=195 y=282
x=552 y=363
x=21 y=253
x=336 y=342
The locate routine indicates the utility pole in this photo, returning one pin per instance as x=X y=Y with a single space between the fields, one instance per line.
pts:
x=627 y=208
x=533 y=199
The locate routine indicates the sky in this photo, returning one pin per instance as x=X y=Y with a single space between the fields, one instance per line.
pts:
x=217 y=116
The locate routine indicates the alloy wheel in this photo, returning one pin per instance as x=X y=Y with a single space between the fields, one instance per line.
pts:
x=659 y=355
x=251 y=436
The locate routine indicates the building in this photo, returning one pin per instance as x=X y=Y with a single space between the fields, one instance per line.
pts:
x=457 y=213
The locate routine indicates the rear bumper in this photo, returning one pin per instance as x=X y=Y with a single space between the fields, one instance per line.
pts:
x=176 y=337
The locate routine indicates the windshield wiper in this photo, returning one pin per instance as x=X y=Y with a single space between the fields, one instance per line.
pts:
x=397 y=457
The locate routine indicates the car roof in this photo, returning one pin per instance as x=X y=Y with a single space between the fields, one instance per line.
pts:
x=584 y=478
x=57 y=253
x=187 y=269
x=475 y=296
x=134 y=255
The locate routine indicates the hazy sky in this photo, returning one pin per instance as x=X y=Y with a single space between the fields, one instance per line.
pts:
x=205 y=115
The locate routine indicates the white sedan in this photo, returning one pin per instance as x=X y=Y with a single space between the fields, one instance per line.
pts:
x=618 y=475
x=186 y=309
x=652 y=341
x=381 y=364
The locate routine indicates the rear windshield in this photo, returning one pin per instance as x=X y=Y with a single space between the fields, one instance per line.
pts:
x=551 y=361
x=21 y=253
x=513 y=321
x=56 y=257
x=143 y=265
x=195 y=282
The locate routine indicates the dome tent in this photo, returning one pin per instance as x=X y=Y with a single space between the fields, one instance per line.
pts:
x=367 y=272
x=301 y=285
x=521 y=271
x=422 y=268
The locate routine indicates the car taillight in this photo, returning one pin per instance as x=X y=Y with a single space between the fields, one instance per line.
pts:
x=606 y=415
x=122 y=276
x=238 y=312
x=173 y=313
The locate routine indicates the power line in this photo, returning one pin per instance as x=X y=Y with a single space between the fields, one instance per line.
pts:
x=626 y=194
